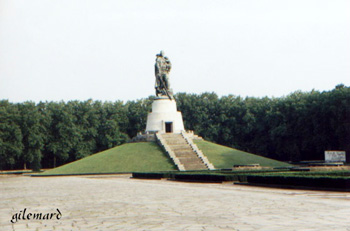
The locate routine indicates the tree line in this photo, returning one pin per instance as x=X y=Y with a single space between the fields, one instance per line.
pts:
x=300 y=126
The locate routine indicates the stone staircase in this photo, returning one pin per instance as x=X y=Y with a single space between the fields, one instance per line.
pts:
x=183 y=152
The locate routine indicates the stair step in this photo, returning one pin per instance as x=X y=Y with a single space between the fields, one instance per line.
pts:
x=183 y=151
x=195 y=166
x=186 y=155
x=187 y=158
x=176 y=143
x=172 y=136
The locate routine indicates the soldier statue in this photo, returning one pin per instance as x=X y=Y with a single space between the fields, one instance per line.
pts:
x=162 y=69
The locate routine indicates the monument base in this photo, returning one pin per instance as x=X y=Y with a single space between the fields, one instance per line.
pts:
x=164 y=117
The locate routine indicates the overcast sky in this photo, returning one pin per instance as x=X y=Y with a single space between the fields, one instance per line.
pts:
x=105 y=50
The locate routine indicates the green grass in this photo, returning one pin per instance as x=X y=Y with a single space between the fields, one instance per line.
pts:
x=148 y=157
x=131 y=157
x=224 y=157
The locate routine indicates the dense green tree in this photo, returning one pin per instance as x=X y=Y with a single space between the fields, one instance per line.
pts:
x=63 y=134
x=33 y=132
x=300 y=126
x=137 y=112
x=113 y=119
x=86 y=120
x=11 y=146
x=297 y=127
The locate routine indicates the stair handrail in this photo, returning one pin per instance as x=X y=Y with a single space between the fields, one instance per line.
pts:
x=198 y=152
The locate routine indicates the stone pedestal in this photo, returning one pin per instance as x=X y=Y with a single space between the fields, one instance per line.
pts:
x=164 y=117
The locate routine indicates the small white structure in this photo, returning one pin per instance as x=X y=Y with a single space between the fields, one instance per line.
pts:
x=335 y=156
x=164 y=117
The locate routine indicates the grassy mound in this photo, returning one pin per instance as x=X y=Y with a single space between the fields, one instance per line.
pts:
x=225 y=157
x=148 y=157
x=131 y=157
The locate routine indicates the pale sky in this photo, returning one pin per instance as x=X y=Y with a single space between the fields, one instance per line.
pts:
x=105 y=50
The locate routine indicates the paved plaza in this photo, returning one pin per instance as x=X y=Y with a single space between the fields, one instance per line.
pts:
x=116 y=202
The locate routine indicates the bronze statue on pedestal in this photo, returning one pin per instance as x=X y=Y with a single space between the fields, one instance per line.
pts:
x=162 y=69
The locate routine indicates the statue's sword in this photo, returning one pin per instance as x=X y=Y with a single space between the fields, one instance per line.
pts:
x=166 y=90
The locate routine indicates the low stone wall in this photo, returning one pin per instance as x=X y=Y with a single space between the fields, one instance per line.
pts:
x=143 y=137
